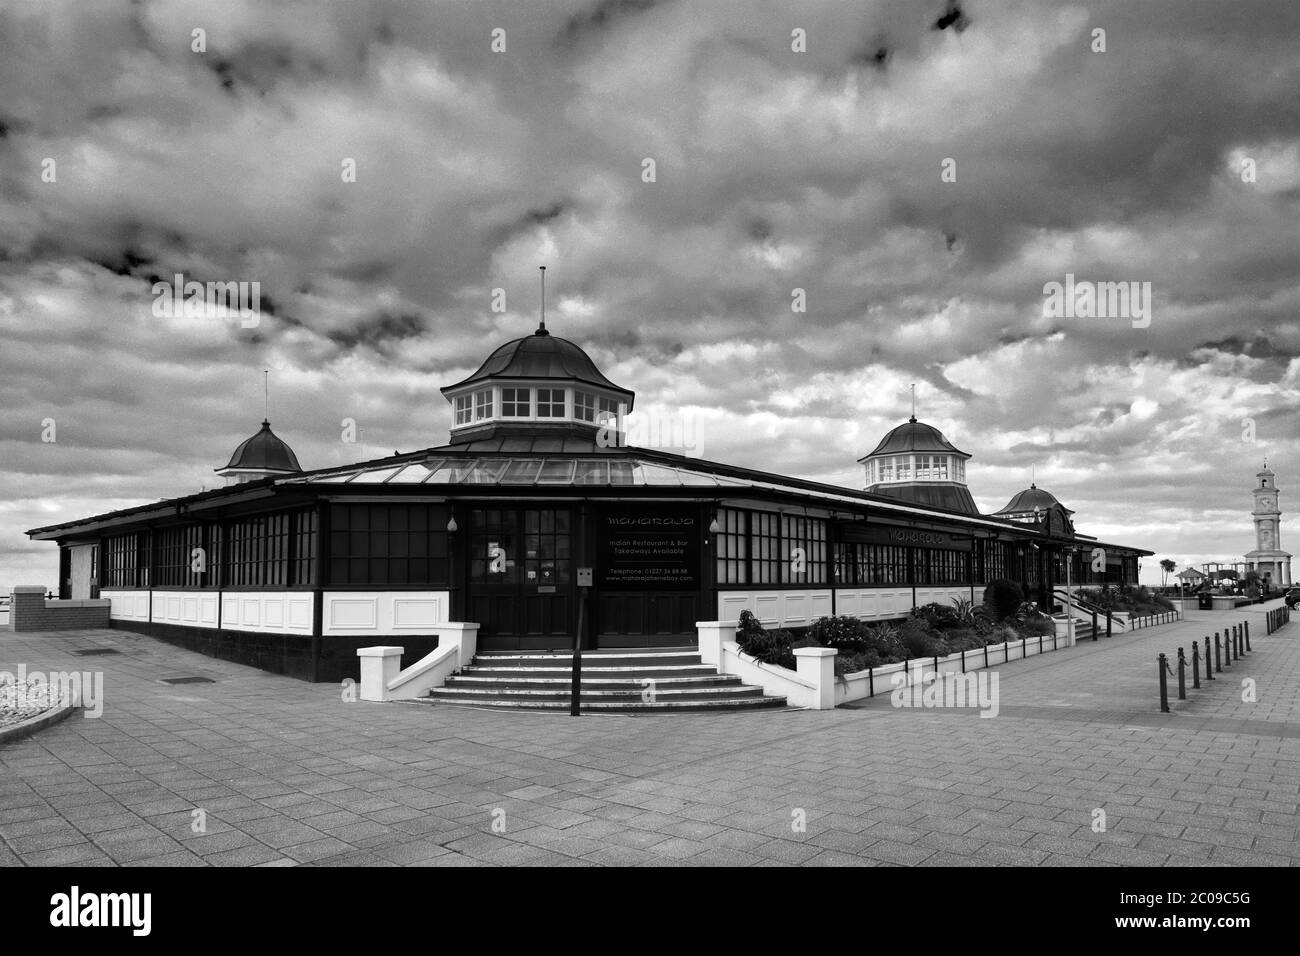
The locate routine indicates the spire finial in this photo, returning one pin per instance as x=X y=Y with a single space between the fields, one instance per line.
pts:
x=1033 y=476
x=266 y=394
x=541 y=328
x=913 y=387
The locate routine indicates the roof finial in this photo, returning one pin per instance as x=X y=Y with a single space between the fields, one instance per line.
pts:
x=1033 y=476
x=913 y=418
x=541 y=328
x=266 y=395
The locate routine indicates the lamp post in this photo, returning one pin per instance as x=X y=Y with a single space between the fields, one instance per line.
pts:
x=1069 y=598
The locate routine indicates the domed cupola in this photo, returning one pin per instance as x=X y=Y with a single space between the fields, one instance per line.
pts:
x=264 y=455
x=536 y=385
x=915 y=463
x=1036 y=506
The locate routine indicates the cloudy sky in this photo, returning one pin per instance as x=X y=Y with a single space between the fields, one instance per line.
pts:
x=1172 y=157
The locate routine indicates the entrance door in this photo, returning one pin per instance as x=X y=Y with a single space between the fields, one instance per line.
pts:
x=521 y=577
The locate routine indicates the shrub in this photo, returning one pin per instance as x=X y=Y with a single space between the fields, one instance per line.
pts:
x=1033 y=626
x=1003 y=597
x=919 y=640
x=845 y=634
x=940 y=617
x=883 y=639
x=770 y=647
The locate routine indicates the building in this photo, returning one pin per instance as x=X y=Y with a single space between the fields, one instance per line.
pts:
x=1268 y=559
x=536 y=505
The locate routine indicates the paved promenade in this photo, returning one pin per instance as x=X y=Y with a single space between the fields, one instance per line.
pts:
x=286 y=773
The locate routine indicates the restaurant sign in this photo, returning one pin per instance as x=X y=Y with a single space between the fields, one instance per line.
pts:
x=906 y=537
x=649 y=546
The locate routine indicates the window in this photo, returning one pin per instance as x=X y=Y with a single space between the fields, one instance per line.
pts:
x=388 y=544
x=175 y=557
x=922 y=466
x=550 y=403
x=120 y=561
x=304 y=549
x=584 y=406
x=257 y=554
x=765 y=547
x=732 y=547
x=940 y=468
x=808 y=534
x=903 y=468
x=886 y=469
x=483 y=405
x=516 y=403
x=462 y=409
x=608 y=411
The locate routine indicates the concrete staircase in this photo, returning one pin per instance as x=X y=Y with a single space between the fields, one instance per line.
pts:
x=625 y=680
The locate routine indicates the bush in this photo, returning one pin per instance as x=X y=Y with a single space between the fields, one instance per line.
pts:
x=919 y=640
x=845 y=634
x=1034 y=626
x=770 y=647
x=940 y=617
x=1003 y=598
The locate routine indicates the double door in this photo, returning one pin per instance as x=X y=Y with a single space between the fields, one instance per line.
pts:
x=521 y=580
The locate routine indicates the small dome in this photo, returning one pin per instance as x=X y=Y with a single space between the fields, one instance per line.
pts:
x=1029 y=499
x=264 y=452
x=540 y=355
x=914 y=436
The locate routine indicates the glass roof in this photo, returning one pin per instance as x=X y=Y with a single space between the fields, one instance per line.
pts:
x=533 y=470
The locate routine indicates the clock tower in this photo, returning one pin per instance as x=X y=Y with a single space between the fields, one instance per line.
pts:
x=1268 y=558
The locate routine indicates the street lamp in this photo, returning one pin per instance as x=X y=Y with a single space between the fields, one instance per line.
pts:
x=1069 y=598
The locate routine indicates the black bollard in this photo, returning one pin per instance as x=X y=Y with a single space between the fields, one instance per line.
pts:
x=1209 y=671
x=1164 y=690
x=1182 y=680
x=1247 y=626
x=1196 y=666
x=1218 y=661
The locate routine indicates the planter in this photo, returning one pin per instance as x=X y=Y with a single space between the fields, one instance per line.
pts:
x=1225 y=602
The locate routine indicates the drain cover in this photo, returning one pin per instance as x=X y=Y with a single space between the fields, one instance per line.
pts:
x=96 y=652
x=188 y=680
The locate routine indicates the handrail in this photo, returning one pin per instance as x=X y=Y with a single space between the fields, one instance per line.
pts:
x=1086 y=605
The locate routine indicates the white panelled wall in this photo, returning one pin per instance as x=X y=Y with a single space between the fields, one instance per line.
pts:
x=345 y=613
x=791 y=608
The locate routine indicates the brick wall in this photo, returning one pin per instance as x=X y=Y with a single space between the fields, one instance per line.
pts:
x=29 y=611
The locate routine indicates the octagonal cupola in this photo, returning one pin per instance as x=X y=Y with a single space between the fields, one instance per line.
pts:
x=535 y=385
x=264 y=455
x=916 y=463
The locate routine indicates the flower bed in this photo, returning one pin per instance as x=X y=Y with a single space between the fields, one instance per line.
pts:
x=20 y=702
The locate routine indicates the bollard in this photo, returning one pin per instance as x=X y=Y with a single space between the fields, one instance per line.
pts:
x=963 y=660
x=1196 y=666
x=1247 y=625
x=1182 y=680
x=1236 y=647
x=1164 y=690
x=986 y=655
x=1109 y=620
x=1209 y=671
x=871 y=682
x=1218 y=661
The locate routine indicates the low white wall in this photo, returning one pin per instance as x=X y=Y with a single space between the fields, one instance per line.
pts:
x=775 y=681
x=790 y=607
x=272 y=612
x=381 y=676
x=357 y=613
x=189 y=608
x=127 y=605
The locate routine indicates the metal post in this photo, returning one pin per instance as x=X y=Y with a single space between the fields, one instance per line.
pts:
x=1218 y=661
x=1247 y=626
x=1164 y=690
x=871 y=682
x=1209 y=671
x=1196 y=666
x=963 y=660
x=986 y=655
x=575 y=687
x=1182 y=680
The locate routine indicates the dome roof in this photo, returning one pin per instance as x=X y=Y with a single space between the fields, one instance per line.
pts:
x=1029 y=499
x=264 y=452
x=540 y=355
x=914 y=436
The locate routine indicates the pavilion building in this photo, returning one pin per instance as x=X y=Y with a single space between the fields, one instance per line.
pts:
x=293 y=570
